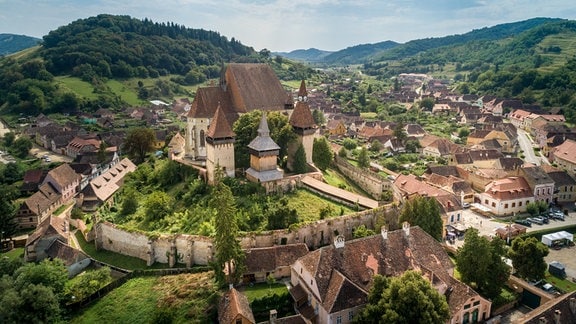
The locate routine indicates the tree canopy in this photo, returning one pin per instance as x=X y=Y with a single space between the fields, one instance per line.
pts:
x=481 y=265
x=322 y=153
x=229 y=263
x=527 y=255
x=139 y=142
x=423 y=212
x=406 y=299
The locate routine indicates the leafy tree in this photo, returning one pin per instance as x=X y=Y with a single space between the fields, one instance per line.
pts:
x=363 y=158
x=318 y=116
x=21 y=147
x=281 y=215
x=8 y=225
x=481 y=265
x=349 y=143
x=33 y=303
x=52 y=274
x=321 y=153
x=343 y=152
x=300 y=165
x=412 y=146
x=139 y=142
x=406 y=299
x=527 y=255
x=532 y=208
x=423 y=212
x=376 y=146
x=9 y=139
x=399 y=132
x=427 y=104
x=158 y=205
x=229 y=257
x=129 y=203
x=362 y=231
x=89 y=282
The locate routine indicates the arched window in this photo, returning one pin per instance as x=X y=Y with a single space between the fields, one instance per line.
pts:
x=202 y=138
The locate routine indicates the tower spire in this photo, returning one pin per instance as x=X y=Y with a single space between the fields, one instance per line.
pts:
x=302 y=92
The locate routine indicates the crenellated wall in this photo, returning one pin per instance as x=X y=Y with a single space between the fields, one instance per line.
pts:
x=198 y=250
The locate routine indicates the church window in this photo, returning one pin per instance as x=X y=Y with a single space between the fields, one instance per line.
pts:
x=202 y=138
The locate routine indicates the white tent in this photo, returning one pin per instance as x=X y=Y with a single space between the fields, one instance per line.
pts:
x=549 y=239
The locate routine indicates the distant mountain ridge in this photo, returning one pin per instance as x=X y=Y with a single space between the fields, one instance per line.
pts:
x=11 y=43
x=390 y=50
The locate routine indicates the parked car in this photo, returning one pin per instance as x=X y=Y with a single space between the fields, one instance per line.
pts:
x=465 y=205
x=535 y=220
x=523 y=222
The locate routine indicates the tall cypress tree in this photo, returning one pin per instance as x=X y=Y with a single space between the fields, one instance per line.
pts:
x=229 y=264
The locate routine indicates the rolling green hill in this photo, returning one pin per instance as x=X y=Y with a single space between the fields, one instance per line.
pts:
x=10 y=43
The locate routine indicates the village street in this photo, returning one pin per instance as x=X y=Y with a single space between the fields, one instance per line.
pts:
x=526 y=146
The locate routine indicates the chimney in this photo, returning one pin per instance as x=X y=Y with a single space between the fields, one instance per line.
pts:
x=573 y=305
x=406 y=228
x=384 y=232
x=542 y=320
x=557 y=317
x=273 y=316
x=339 y=241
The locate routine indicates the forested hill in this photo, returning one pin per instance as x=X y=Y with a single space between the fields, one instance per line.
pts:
x=121 y=46
x=10 y=43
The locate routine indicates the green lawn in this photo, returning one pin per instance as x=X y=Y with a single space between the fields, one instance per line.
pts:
x=562 y=284
x=263 y=289
x=13 y=254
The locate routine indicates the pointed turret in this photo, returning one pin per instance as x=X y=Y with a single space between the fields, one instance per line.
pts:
x=302 y=93
x=263 y=143
x=219 y=129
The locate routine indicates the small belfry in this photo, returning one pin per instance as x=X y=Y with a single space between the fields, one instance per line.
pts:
x=264 y=156
x=219 y=147
x=303 y=125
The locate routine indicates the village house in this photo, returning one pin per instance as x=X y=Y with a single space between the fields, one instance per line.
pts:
x=441 y=148
x=81 y=145
x=480 y=159
x=234 y=308
x=564 y=185
x=64 y=180
x=101 y=188
x=37 y=207
x=564 y=155
x=331 y=284
x=275 y=260
x=542 y=185
x=507 y=196
x=49 y=230
x=405 y=187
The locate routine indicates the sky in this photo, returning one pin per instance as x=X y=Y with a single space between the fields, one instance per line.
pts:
x=286 y=25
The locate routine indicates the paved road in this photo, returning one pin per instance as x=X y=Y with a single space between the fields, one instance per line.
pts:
x=526 y=145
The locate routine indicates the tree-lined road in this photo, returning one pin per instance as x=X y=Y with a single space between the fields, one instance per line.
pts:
x=526 y=145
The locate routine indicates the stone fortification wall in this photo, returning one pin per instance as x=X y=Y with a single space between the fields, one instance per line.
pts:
x=371 y=182
x=198 y=250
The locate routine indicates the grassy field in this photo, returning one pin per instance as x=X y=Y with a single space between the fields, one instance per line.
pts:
x=262 y=289
x=13 y=254
x=565 y=41
x=75 y=85
x=186 y=298
x=125 y=92
x=309 y=205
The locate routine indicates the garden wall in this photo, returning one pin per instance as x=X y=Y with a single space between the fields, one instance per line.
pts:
x=371 y=182
x=198 y=250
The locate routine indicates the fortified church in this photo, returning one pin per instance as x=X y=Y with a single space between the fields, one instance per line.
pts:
x=209 y=140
